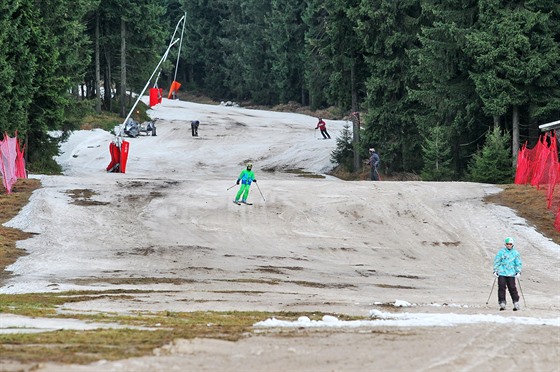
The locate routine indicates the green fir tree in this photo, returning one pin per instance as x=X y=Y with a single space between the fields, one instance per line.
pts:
x=343 y=155
x=437 y=156
x=492 y=164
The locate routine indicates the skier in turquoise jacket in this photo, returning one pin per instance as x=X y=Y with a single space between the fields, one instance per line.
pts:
x=245 y=178
x=507 y=267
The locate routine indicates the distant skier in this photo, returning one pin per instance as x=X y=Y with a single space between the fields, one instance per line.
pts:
x=323 y=127
x=194 y=127
x=507 y=267
x=245 y=178
x=374 y=162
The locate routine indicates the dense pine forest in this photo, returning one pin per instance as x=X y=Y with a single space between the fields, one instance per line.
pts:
x=447 y=89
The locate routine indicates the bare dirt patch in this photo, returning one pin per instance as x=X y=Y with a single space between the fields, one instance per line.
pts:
x=84 y=197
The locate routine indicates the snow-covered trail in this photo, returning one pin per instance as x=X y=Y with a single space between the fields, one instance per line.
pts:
x=315 y=244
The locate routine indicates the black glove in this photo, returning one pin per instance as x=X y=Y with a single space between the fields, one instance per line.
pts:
x=496 y=274
x=254 y=180
x=237 y=183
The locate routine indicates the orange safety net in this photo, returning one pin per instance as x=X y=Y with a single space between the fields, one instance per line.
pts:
x=539 y=167
x=174 y=88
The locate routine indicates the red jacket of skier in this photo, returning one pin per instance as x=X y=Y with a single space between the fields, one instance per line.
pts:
x=321 y=124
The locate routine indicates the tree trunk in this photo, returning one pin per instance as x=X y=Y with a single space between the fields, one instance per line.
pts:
x=107 y=99
x=353 y=86
x=97 y=67
x=108 y=81
x=515 y=135
x=496 y=121
x=123 y=69
x=76 y=92
x=356 y=141
x=355 y=118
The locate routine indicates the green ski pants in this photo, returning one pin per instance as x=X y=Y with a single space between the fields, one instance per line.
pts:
x=244 y=189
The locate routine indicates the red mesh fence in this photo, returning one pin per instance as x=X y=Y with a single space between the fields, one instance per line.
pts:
x=539 y=166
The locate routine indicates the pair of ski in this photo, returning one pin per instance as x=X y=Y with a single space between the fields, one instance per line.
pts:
x=239 y=203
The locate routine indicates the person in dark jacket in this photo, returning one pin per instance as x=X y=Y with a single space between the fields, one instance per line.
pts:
x=194 y=127
x=507 y=267
x=374 y=162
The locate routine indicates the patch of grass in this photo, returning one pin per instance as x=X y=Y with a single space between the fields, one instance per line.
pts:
x=530 y=204
x=301 y=173
x=70 y=346
x=105 y=120
x=133 y=281
x=45 y=304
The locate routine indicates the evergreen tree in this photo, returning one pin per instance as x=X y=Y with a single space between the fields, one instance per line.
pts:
x=148 y=37
x=316 y=71
x=492 y=164
x=437 y=156
x=343 y=154
x=17 y=65
x=344 y=51
x=204 y=53
x=516 y=53
x=58 y=43
x=445 y=90
x=285 y=32
x=389 y=29
x=246 y=51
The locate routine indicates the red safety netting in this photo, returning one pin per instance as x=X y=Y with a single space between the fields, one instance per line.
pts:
x=12 y=163
x=539 y=167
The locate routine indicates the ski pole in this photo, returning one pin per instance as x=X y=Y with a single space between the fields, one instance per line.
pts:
x=491 y=291
x=521 y=290
x=232 y=187
x=260 y=191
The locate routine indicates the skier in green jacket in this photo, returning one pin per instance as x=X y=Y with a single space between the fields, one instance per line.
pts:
x=245 y=178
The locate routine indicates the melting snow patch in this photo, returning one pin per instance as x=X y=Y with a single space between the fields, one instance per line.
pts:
x=402 y=303
x=11 y=323
x=407 y=320
x=448 y=305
